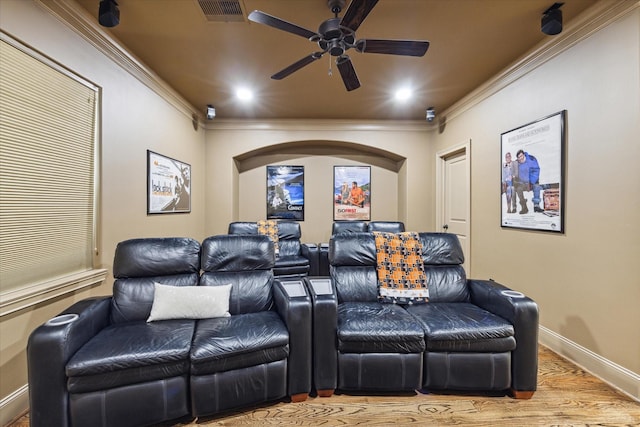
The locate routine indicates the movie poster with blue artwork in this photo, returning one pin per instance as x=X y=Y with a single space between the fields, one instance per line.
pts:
x=285 y=192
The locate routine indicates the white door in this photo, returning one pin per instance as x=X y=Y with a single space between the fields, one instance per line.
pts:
x=454 y=196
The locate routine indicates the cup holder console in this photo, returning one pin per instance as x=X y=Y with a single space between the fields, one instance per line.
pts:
x=512 y=294
x=63 y=319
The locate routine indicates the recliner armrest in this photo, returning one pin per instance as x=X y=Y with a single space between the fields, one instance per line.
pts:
x=522 y=313
x=325 y=326
x=311 y=252
x=50 y=347
x=294 y=306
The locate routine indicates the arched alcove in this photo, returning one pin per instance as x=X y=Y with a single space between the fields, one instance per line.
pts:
x=388 y=180
x=294 y=149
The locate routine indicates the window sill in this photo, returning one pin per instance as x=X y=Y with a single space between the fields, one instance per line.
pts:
x=19 y=299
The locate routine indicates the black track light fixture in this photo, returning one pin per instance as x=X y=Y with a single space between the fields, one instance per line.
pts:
x=108 y=13
x=552 y=20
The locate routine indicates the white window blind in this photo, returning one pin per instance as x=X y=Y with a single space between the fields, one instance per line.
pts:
x=48 y=138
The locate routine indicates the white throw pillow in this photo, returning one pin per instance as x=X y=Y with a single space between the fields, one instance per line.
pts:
x=189 y=302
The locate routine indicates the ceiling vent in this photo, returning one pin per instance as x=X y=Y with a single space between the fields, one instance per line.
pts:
x=223 y=10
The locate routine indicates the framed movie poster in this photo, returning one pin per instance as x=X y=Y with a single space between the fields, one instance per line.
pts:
x=168 y=185
x=352 y=193
x=532 y=163
x=285 y=192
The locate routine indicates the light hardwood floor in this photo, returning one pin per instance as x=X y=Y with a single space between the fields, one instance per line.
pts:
x=566 y=396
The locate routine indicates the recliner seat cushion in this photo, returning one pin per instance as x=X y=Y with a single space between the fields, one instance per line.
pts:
x=131 y=353
x=463 y=327
x=365 y=327
x=239 y=341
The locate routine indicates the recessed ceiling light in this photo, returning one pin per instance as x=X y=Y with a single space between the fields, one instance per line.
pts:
x=244 y=94
x=403 y=94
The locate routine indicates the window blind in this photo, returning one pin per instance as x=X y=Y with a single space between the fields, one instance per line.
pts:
x=48 y=137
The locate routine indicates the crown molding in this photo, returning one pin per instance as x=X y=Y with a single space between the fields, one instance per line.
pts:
x=318 y=125
x=592 y=20
x=85 y=25
x=584 y=25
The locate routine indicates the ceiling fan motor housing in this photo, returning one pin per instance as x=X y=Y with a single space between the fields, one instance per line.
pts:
x=334 y=40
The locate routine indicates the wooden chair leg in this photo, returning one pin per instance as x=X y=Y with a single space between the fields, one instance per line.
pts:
x=522 y=394
x=325 y=393
x=300 y=397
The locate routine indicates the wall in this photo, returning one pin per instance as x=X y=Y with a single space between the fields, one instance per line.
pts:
x=587 y=280
x=237 y=153
x=134 y=118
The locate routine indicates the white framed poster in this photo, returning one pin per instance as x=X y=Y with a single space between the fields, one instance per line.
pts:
x=352 y=193
x=532 y=170
x=168 y=185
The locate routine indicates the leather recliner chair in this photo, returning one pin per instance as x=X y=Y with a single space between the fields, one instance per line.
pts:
x=471 y=335
x=101 y=363
x=261 y=352
x=294 y=258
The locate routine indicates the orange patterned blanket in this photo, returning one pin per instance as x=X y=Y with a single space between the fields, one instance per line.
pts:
x=401 y=276
x=269 y=228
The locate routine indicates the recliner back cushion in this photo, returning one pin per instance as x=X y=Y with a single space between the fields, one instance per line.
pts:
x=139 y=263
x=353 y=261
x=245 y=262
x=443 y=257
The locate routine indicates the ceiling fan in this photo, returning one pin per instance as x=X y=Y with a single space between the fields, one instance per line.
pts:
x=338 y=35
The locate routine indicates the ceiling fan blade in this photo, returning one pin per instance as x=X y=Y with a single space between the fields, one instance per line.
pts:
x=272 y=21
x=393 y=47
x=348 y=73
x=297 y=65
x=357 y=12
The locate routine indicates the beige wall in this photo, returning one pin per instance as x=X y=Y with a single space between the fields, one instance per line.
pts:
x=134 y=119
x=236 y=155
x=587 y=280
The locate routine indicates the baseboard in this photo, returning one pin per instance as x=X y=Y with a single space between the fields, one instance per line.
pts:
x=14 y=405
x=624 y=380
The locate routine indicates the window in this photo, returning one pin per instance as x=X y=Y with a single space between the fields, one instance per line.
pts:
x=48 y=146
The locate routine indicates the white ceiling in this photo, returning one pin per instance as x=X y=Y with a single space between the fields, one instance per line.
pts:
x=205 y=61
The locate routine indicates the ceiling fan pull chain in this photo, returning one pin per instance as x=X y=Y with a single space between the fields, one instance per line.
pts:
x=330 y=70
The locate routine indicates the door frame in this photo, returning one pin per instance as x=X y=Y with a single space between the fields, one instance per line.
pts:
x=441 y=158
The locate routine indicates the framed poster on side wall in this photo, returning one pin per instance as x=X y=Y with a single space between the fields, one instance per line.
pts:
x=532 y=166
x=168 y=185
x=352 y=193
x=285 y=192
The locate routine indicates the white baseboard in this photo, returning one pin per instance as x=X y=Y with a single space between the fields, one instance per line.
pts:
x=624 y=380
x=14 y=405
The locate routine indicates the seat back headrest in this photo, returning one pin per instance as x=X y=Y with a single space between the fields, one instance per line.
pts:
x=354 y=249
x=348 y=227
x=236 y=252
x=289 y=230
x=151 y=257
x=386 y=226
x=243 y=227
x=441 y=249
